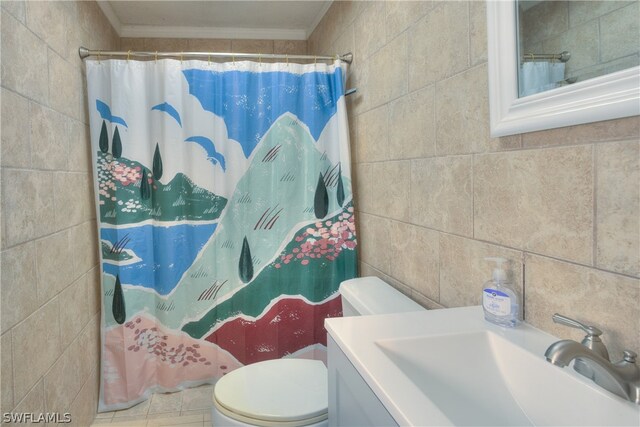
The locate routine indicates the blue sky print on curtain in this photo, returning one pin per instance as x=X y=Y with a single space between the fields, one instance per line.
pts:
x=225 y=214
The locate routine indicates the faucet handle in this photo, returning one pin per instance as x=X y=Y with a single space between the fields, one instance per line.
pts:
x=592 y=340
x=591 y=331
x=630 y=356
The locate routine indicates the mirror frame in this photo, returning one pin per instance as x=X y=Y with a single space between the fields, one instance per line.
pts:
x=605 y=97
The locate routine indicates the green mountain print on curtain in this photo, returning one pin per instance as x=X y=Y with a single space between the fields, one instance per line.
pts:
x=225 y=216
x=125 y=195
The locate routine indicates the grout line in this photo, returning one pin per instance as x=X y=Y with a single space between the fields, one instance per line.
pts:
x=513 y=248
x=594 y=213
x=44 y=236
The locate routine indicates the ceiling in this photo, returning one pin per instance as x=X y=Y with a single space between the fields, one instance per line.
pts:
x=278 y=20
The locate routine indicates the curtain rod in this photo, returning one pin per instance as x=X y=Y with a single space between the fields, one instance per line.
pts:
x=562 y=56
x=84 y=53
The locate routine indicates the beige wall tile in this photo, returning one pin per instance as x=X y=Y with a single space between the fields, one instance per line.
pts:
x=582 y=11
x=372 y=135
x=209 y=45
x=363 y=182
x=387 y=76
x=369 y=30
x=84 y=406
x=15 y=148
x=344 y=44
x=49 y=138
x=462 y=111
x=374 y=242
x=442 y=194
x=609 y=67
x=36 y=345
x=414 y=258
x=583 y=43
x=73 y=312
x=72 y=204
x=18 y=297
x=48 y=21
x=610 y=130
x=537 y=200
x=79 y=147
x=608 y=301
x=94 y=292
x=166 y=44
x=65 y=88
x=554 y=14
x=464 y=270
x=33 y=402
x=359 y=77
x=435 y=44
x=290 y=47
x=133 y=44
x=84 y=240
x=412 y=125
x=477 y=32
x=15 y=8
x=390 y=189
x=27 y=205
x=6 y=374
x=620 y=32
x=54 y=265
x=63 y=381
x=23 y=73
x=350 y=10
x=400 y=15
x=252 y=46
x=618 y=207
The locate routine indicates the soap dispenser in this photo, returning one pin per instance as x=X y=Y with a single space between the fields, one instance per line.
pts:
x=499 y=298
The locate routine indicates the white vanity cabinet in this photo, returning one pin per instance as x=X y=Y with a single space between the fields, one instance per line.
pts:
x=351 y=401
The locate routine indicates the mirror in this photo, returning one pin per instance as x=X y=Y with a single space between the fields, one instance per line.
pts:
x=561 y=63
x=563 y=42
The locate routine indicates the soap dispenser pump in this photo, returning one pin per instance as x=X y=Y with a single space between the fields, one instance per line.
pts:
x=499 y=298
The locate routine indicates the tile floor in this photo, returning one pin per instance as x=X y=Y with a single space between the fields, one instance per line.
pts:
x=187 y=408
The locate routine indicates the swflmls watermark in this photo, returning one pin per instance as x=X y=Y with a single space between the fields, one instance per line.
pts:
x=34 y=417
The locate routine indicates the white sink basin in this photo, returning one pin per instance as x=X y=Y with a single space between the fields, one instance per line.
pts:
x=450 y=367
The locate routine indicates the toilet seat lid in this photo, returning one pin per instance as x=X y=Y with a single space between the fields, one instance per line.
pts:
x=283 y=390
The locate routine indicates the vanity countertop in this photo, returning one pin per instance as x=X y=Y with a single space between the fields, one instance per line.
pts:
x=403 y=357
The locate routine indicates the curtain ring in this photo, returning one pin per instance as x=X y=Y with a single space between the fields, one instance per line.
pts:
x=233 y=59
x=181 y=56
x=287 y=57
x=315 y=59
x=98 y=57
x=532 y=57
x=128 y=55
x=156 y=56
x=260 y=58
x=209 y=59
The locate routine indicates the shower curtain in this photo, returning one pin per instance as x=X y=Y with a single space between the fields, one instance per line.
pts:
x=225 y=217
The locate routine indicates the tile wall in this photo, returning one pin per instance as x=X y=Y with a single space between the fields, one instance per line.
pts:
x=598 y=34
x=50 y=289
x=436 y=194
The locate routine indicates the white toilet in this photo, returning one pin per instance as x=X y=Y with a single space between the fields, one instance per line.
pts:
x=293 y=392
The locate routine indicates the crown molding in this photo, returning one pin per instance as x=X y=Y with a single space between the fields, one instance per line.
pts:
x=156 y=31
x=319 y=16
x=180 y=32
x=111 y=15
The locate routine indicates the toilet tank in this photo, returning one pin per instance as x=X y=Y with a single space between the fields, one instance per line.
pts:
x=370 y=295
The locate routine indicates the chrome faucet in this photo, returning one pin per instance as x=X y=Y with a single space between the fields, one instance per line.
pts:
x=621 y=378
